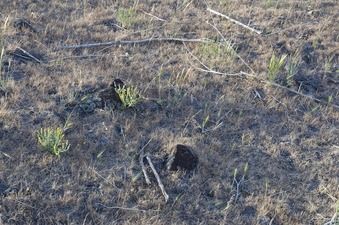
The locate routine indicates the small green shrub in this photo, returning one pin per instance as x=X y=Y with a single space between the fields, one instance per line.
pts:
x=292 y=68
x=52 y=140
x=274 y=67
x=127 y=16
x=129 y=96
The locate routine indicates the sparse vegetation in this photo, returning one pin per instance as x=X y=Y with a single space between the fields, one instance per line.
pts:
x=127 y=16
x=52 y=140
x=274 y=66
x=292 y=68
x=128 y=95
x=253 y=94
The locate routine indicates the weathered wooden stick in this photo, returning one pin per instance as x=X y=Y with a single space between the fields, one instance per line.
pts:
x=149 y=14
x=29 y=54
x=158 y=178
x=141 y=161
x=234 y=21
x=119 y=42
x=290 y=89
x=122 y=208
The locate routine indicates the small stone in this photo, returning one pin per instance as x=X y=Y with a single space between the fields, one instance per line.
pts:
x=110 y=94
x=183 y=158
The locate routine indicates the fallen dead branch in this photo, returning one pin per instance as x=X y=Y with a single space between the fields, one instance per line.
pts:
x=290 y=89
x=253 y=74
x=29 y=55
x=121 y=42
x=234 y=21
x=122 y=208
x=149 y=14
x=158 y=178
x=141 y=161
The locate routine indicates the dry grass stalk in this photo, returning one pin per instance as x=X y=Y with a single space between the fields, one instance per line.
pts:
x=122 y=208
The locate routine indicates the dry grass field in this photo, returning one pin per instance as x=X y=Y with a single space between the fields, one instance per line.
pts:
x=254 y=95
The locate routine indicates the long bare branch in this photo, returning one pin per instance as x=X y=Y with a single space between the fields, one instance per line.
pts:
x=235 y=21
x=121 y=42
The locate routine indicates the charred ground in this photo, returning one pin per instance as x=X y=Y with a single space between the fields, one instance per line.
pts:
x=230 y=115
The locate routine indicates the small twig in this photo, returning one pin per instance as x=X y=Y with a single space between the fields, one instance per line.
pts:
x=75 y=57
x=29 y=54
x=158 y=178
x=290 y=89
x=149 y=14
x=289 y=28
x=101 y=176
x=5 y=154
x=122 y=208
x=141 y=161
x=85 y=219
x=119 y=42
x=234 y=21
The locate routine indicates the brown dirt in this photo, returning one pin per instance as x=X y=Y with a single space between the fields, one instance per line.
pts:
x=289 y=141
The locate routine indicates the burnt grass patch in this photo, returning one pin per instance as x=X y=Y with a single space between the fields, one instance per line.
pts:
x=230 y=144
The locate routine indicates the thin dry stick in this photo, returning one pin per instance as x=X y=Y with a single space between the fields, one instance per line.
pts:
x=235 y=21
x=122 y=208
x=158 y=178
x=241 y=59
x=149 y=14
x=119 y=42
x=29 y=54
x=290 y=89
x=101 y=176
x=141 y=161
x=207 y=69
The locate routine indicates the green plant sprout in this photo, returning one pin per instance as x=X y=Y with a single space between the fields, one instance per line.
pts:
x=218 y=49
x=243 y=138
x=203 y=124
x=127 y=15
x=292 y=68
x=224 y=2
x=136 y=177
x=100 y=153
x=52 y=140
x=238 y=183
x=274 y=67
x=129 y=96
x=335 y=219
x=5 y=154
x=180 y=78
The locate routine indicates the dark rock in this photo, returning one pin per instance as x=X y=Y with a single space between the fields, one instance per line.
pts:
x=110 y=95
x=182 y=157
